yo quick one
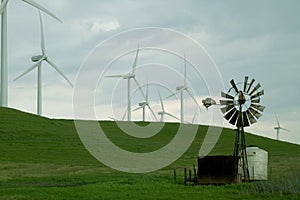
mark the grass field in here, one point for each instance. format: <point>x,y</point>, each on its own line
<point>44,159</point>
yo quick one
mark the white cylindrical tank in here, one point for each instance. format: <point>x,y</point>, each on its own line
<point>257,163</point>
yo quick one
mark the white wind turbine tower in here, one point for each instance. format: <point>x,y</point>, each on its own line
<point>128,77</point>
<point>163,112</point>
<point>38,64</point>
<point>180,90</point>
<point>278,128</point>
<point>144,104</point>
<point>4,78</point>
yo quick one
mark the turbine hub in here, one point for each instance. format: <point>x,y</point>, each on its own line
<point>129,75</point>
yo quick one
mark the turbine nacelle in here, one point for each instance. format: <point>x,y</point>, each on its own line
<point>179,88</point>
<point>38,57</point>
<point>142,104</point>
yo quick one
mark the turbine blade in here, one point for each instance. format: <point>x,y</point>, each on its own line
<point>172,116</point>
<point>62,74</point>
<point>42,34</point>
<point>136,59</point>
<point>284,129</point>
<point>227,108</point>
<point>114,76</point>
<point>3,6</point>
<point>255,88</point>
<point>152,112</point>
<point>223,94</point>
<point>193,98</point>
<point>233,120</point>
<point>174,94</point>
<point>138,108</point>
<point>194,117</point>
<point>234,86</point>
<point>140,89</point>
<point>251,117</point>
<point>258,94</point>
<point>38,6</point>
<point>226,102</point>
<point>185,75</point>
<point>277,120</point>
<point>250,85</point>
<point>258,107</point>
<point>245,83</point>
<point>30,69</point>
<point>161,101</point>
<point>124,115</point>
<point>230,113</point>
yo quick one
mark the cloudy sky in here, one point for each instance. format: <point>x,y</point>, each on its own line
<point>235,38</point>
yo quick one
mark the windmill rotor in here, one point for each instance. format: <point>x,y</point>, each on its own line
<point>243,100</point>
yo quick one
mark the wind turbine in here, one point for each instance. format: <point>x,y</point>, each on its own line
<point>38,64</point>
<point>144,104</point>
<point>180,90</point>
<point>4,78</point>
<point>278,128</point>
<point>163,112</point>
<point>128,77</point>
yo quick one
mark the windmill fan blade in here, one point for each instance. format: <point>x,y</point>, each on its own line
<point>62,74</point>
<point>245,120</point>
<point>245,83</point>
<point>3,6</point>
<point>255,88</point>
<point>194,117</point>
<point>38,6</point>
<point>255,113</point>
<point>42,34</point>
<point>258,107</point>
<point>251,117</point>
<point>227,108</point>
<point>233,120</point>
<point>223,94</point>
<point>284,129</point>
<point>258,94</point>
<point>136,59</point>
<point>255,100</point>
<point>234,86</point>
<point>250,85</point>
<point>30,69</point>
<point>230,113</point>
<point>226,102</point>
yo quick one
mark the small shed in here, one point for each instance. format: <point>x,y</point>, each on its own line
<point>218,170</point>
<point>257,163</point>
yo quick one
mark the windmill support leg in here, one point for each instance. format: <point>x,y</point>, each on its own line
<point>181,108</point>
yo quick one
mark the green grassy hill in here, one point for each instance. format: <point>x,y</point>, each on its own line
<point>44,158</point>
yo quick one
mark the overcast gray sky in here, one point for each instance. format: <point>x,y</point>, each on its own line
<point>255,38</point>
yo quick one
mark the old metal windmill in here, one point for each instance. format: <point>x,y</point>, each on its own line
<point>242,108</point>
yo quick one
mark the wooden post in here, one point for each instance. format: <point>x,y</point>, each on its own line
<point>174,174</point>
<point>185,176</point>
